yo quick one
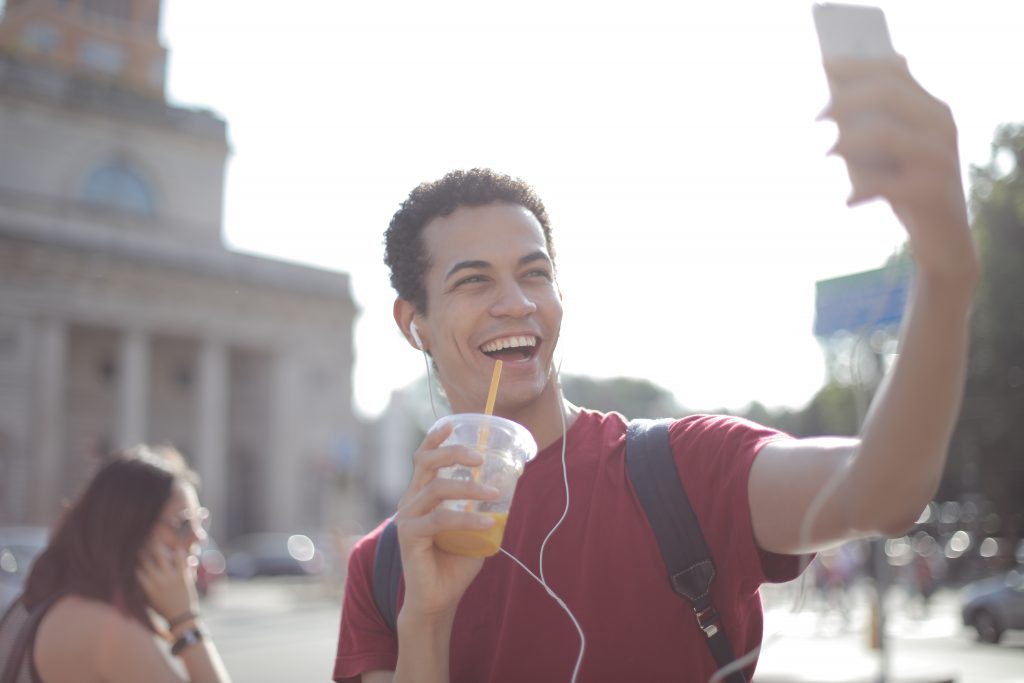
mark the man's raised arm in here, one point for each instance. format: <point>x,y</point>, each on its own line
<point>899,144</point>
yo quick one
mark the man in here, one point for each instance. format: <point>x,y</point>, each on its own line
<point>472,260</point>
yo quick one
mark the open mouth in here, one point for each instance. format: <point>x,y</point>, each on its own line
<point>507,349</point>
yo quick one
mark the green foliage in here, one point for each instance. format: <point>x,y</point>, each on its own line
<point>632,397</point>
<point>988,446</point>
<point>834,410</point>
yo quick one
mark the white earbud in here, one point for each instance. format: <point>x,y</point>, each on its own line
<point>416,336</point>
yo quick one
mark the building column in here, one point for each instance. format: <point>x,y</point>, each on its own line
<point>132,389</point>
<point>48,418</point>
<point>211,420</point>
<point>284,467</point>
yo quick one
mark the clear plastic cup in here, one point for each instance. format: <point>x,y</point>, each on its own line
<point>506,447</point>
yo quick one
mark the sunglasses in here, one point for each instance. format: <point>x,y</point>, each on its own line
<point>187,526</point>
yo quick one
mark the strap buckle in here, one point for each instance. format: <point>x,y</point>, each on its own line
<point>708,620</point>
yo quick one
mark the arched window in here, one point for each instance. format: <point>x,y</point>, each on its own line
<point>116,185</point>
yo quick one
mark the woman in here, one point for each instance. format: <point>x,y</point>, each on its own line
<point>118,577</point>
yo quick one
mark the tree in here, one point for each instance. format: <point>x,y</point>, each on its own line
<point>988,445</point>
<point>834,410</point>
<point>632,397</point>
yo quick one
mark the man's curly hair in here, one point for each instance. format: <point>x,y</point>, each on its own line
<point>404,253</point>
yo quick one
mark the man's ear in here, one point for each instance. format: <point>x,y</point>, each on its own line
<point>405,313</point>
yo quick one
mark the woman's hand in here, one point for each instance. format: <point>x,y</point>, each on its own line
<point>168,579</point>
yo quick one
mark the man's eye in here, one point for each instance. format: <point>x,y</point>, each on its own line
<point>469,280</point>
<point>539,273</point>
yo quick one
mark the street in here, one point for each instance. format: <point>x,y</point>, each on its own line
<point>275,631</point>
<point>818,644</point>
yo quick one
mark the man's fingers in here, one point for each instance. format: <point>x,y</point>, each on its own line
<point>438,490</point>
<point>456,454</point>
<point>436,437</point>
<point>427,462</point>
<point>421,475</point>
<point>900,190</point>
<point>914,108</point>
<point>845,69</point>
<point>886,146</point>
<point>428,526</point>
<point>901,99</point>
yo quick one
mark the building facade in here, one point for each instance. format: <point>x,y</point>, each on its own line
<point>124,318</point>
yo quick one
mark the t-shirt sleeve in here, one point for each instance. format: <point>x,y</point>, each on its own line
<point>714,455</point>
<point>365,643</point>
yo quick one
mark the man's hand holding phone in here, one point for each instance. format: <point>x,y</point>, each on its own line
<point>898,141</point>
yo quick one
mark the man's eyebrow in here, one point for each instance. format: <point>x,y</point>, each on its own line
<point>535,256</point>
<point>466,265</point>
<point>538,255</point>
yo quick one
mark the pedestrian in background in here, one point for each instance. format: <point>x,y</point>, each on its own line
<point>115,587</point>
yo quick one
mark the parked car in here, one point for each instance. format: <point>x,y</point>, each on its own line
<point>994,605</point>
<point>19,547</point>
<point>212,566</point>
<point>273,554</point>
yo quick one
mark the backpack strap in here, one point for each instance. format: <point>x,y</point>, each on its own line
<point>655,479</point>
<point>652,470</point>
<point>387,571</point>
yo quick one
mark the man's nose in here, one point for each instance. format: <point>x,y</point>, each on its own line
<point>513,301</point>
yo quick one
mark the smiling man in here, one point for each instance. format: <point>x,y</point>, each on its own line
<point>471,258</point>
<point>490,284</point>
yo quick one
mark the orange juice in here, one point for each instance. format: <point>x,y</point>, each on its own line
<point>483,543</point>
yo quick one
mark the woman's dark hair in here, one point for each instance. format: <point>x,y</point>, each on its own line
<point>94,549</point>
<point>403,251</point>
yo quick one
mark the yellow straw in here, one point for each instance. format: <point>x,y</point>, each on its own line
<point>481,444</point>
<point>492,394</point>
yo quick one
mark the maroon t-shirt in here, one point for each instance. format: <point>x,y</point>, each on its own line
<point>603,561</point>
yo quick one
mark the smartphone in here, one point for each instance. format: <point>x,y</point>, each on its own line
<point>852,32</point>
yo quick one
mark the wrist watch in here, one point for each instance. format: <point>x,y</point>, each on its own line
<point>187,639</point>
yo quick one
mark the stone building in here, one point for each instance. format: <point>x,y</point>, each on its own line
<point>123,317</point>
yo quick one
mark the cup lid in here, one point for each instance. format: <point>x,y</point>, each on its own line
<point>521,435</point>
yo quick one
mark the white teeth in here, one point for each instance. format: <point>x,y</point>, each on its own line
<point>508,343</point>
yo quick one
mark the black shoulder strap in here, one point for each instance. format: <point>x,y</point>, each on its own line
<point>653,473</point>
<point>387,570</point>
<point>655,479</point>
<point>22,644</point>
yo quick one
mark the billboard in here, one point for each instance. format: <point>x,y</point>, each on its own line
<point>862,302</point>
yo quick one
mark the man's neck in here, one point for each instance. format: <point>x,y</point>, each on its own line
<point>543,416</point>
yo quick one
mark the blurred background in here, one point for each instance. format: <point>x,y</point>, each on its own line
<point>192,199</point>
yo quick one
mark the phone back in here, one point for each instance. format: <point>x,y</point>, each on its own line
<point>852,31</point>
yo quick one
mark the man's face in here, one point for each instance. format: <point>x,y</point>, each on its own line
<point>491,295</point>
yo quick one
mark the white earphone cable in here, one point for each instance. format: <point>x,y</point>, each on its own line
<point>426,362</point>
<point>565,478</point>
<point>565,512</point>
